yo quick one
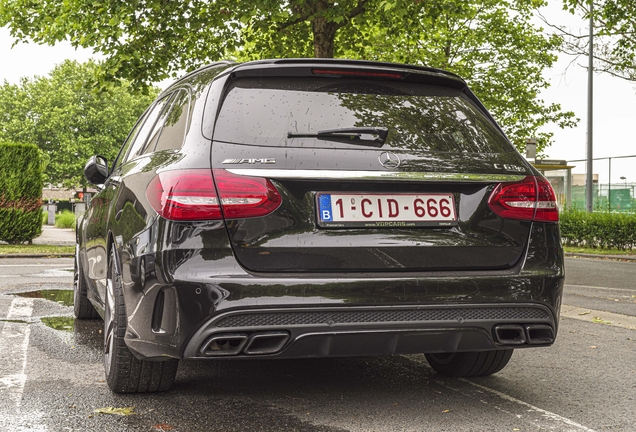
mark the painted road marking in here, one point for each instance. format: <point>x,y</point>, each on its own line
<point>14,341</point>
<point>538,417</point>
<point>546,414</point>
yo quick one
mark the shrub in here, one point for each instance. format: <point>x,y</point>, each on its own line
<point>65,219</point>
<point>598,230</point>
<point>20,193</point>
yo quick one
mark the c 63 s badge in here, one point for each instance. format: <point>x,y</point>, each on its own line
<point>513,168</point>
<point>250,161</point>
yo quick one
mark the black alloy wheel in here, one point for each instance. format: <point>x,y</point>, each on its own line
<point>124,372</point>
<point>82,307</point>
<point>469,364</point>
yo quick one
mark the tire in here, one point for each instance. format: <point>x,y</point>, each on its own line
<point>124,372</point>
<point>82,306</point>
<point>469,364</point>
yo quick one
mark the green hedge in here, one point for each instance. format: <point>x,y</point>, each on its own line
<point>65,219</point>
<point>20,193</point>
<point>598,230</point>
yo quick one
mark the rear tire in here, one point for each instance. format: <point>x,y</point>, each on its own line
<point>124,372</point>
<point>469,364</point>
<point>82,306</point>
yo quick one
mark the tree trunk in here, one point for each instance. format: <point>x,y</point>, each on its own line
<point>324,33</point>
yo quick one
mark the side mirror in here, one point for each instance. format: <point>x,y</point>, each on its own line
<point>96,170</point>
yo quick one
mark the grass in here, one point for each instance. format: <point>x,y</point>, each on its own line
<point>36,249</point>
<point>65,219</point>
<point>597,251</point>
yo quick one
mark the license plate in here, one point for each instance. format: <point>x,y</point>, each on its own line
<point>385,210</point>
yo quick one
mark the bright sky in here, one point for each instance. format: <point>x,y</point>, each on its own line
<point>614,99</point>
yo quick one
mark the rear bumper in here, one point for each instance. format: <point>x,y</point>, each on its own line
<point>352,331</point>
<point>192,295</point>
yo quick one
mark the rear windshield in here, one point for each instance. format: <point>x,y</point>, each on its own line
<point>265,111</point>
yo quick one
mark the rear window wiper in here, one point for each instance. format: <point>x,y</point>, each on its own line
<point>352,133</point>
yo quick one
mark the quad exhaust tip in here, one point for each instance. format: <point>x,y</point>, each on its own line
<point>224,345</point>
<point>237,343</point>
<point>266,343</point>
<point>539,334</point>
<point>510,334</point>
<point>532,334</point>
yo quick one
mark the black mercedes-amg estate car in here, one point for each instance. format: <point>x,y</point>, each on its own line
<point>315,208</point>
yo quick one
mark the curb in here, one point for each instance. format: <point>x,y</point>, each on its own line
<point>39,255</point>
<point>610,257</point>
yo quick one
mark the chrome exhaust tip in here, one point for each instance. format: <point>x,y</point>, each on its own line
<point>224,345</point>
<point>266,343</point>
<point>510,334</point>
<point>539,334</point>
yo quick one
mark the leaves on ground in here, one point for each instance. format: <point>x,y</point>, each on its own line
<point>599,320</point>
<point>126,411</point>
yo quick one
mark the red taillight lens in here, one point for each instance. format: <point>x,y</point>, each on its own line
<point>188,195</point>
<point>244,197</point>
<point>547,209</point>
<point>530,199</point>
<point>184,195</point>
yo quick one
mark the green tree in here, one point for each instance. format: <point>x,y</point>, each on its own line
<point>491,43</point>
<point>615,33</point>
<point>67,119</point>
<point>20,192</point>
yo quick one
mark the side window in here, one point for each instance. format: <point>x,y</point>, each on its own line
<point>130,140</point>
<point>142,137</point>
<point>173,133</point>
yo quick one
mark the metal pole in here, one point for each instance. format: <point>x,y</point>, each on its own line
<point>609,187</point>
<point>589,197</point>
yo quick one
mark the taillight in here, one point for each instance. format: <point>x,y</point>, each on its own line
<point>530,199</point>
<point>184,195</point>
<point>547,209</point>
<point>188,195</point>
<point>245,197</point>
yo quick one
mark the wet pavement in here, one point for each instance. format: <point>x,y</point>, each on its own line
<point>52,379</point>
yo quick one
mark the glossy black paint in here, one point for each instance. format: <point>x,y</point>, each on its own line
<point>178,276</point>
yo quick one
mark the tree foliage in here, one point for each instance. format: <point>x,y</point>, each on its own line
<point>20,192</point>
<point>491,43</point>
<point>67,119</point>
<point>615,32</point>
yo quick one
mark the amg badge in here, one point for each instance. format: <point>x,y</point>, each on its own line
<point>249,161</point>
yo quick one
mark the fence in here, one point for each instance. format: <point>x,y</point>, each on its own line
<point>614,184</point>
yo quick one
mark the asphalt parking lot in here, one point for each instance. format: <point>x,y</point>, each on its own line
<point>51,375</point>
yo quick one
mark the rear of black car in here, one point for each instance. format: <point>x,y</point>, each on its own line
<point>351,208</point>
<point>436,237</point>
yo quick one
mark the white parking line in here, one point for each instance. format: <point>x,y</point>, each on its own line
<point>14,341</point>
<point>542,419</point>
<point>546,414</point>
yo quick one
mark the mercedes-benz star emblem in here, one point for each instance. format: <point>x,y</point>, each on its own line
<point>389,160</point>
